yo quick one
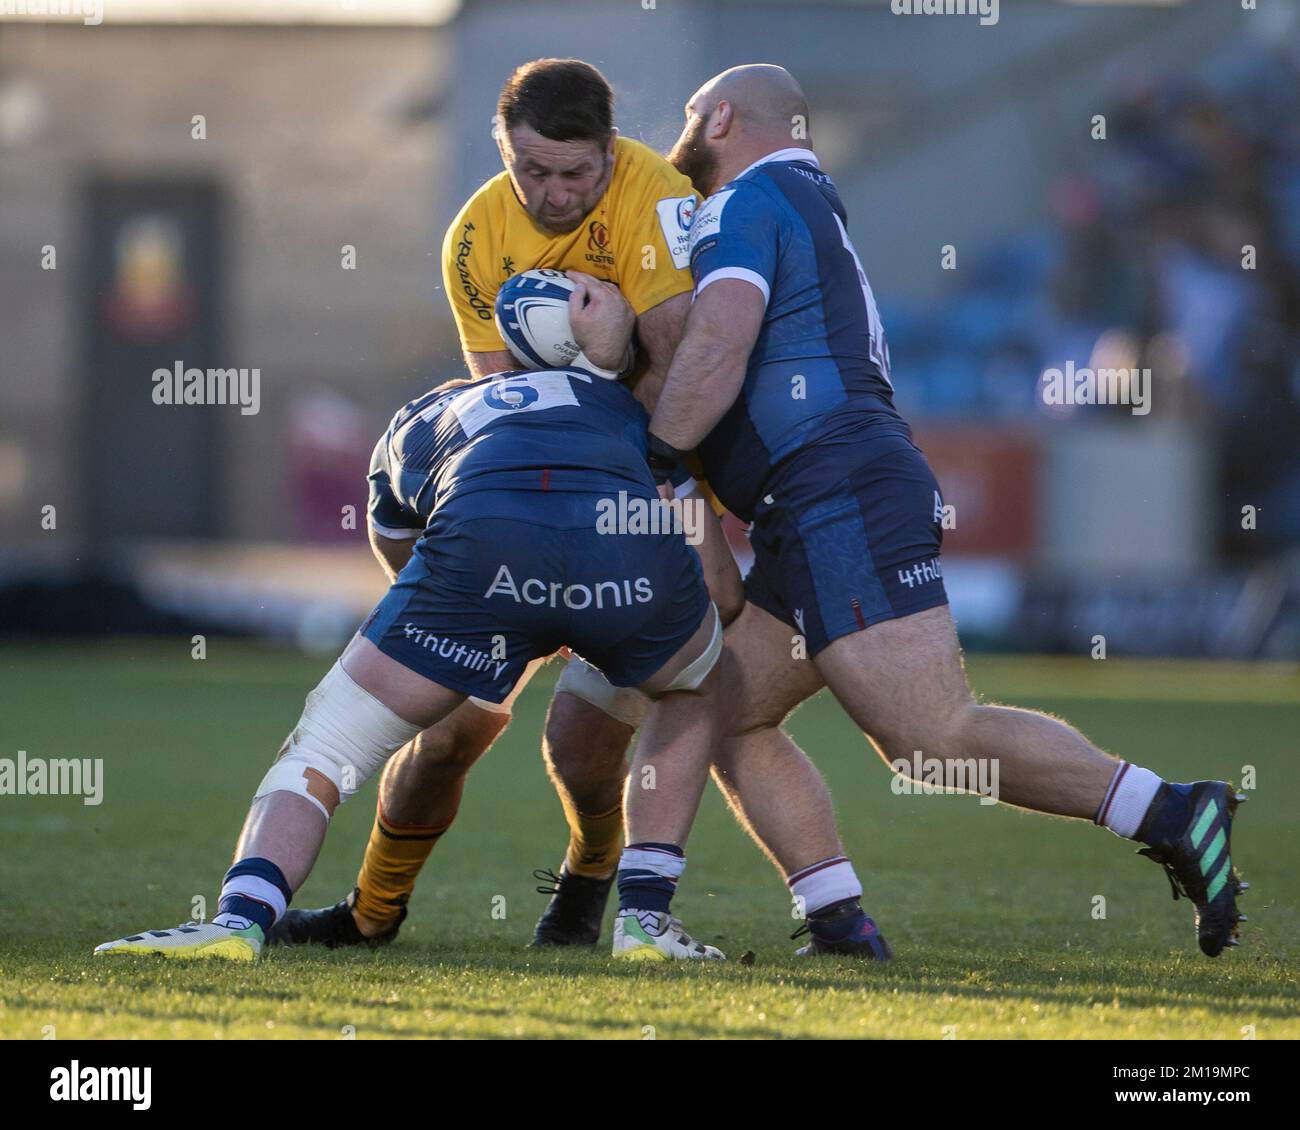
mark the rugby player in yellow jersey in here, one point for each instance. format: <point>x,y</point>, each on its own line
<point>573,196</point>
<point>616,211</point>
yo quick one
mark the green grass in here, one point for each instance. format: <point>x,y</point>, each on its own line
<point>989,910</point>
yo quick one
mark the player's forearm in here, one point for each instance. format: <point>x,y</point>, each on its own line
<point>721,576</point>
<point>660,330</point>
<point>648,383</point>
<point>391,553</point>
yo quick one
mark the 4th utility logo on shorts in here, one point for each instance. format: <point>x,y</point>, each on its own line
<point>922,573</point>
<point>471,658</point>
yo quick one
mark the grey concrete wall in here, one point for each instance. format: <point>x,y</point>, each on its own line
<point>305,130</point>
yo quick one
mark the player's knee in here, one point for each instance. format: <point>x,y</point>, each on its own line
<point>943,732</point>
<point>741,710</point>
<point>741,715</point>
<point>345,735</point>
<point>452,746</point>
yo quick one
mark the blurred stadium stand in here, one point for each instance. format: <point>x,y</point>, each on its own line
<point>226,251</point>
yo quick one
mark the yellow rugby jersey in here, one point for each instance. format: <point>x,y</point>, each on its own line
<point>648,204</point>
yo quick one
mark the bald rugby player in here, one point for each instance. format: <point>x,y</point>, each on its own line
<point>847,514</point>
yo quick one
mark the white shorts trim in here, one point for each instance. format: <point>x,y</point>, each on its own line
<point>396,534</point>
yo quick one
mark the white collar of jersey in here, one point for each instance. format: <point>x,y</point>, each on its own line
<point>783,155</point>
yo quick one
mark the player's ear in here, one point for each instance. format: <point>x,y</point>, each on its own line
<point>613,137</point>
<point>724,115</point>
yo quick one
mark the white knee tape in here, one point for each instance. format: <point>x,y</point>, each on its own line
<point>343,738</point>
<point>626,704</point>
<point>695,672</point>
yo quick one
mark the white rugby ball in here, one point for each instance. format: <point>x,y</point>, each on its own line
<point>532,314</point>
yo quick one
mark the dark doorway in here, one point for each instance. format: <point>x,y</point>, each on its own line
<point>151,298</point>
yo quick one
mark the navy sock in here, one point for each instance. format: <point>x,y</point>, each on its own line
<point>248,908</point>
<point>640,888</point>
<point>1168,815</point>
<point>253,909</point>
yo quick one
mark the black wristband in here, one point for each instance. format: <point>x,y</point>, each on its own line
<point>663,458</point>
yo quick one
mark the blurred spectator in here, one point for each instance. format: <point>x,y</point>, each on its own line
<point>1149,262</point>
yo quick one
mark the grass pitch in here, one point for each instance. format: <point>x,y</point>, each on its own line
<point>990,911</point>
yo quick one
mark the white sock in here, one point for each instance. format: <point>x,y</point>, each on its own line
<point>664,864</point>
<point>823,883</point>
<point>1131,791</point>
<point>251,887</point>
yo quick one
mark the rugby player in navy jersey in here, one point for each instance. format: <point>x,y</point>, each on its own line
<point>782,383</point>
<point>503,477</point>
<point>557,141</point>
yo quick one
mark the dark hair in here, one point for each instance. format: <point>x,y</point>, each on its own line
<point>563,99</point>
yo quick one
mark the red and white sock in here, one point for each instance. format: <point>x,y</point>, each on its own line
<point>823,883</point>
<point>1129,795</point>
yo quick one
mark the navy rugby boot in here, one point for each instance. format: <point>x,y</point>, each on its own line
<point>1197,858</point>
<point>843,929</point>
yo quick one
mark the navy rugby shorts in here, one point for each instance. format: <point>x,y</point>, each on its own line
<point>847,536</point>
<point>500,578</point>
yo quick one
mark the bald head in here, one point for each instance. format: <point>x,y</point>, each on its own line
<point>765,99</point>
<point>735,119</point>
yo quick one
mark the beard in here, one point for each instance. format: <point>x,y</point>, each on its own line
<point>693,159</point>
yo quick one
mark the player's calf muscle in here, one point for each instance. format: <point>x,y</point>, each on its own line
<point>419,778</point>
<point>948,731</point>
<point>902,682</point>
<point>661,805</point>
<point>585,752</point>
